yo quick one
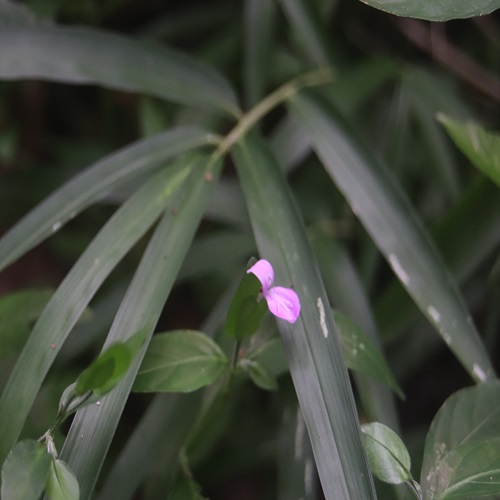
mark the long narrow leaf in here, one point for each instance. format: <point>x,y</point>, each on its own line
<point>95,181</point>
<point>83,55</point>
<point>389,219</point>
<point>93,428</point>
<point>73,295</point>
<point>311,344</point>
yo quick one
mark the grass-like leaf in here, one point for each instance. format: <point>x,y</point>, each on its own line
<point>311,345</point>
<point>389,219</point>
<point>126,226</point>
<point>94,182</point>
<point>93,427</point>
<point>84,55</point>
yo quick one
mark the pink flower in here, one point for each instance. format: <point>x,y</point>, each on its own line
<point>282,302</point>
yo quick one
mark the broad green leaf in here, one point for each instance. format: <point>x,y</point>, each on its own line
<point>246,311</point>
<point>388,217</point>
<point>18,312</point>
<point>106,371</point>
<point>260,376</point>
<point>311,345</point>
<point>62,483</point>
<point>362,354</point>
<point>433,10</point>
<point>119,234</point>
<point>89,56</point>
<point>25,471</point>
<point>180,361</point>
<point>92,184</point>
<point>481,146</point>
<point>139,311</point>
<point>389,458</point>
<point>462,448</point>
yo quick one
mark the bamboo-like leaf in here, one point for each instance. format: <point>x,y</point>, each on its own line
<point>128,224</point>
<point>431,10</point>
<point>93,427</point>
<point>94,182</point>
<point>311,344</point>
<point>89,56</point>
<point>389,219</point>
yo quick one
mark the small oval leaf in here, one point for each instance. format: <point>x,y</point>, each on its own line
<point>389,459</point>
<point>62,483</point>
<point>260,376</point>
<point>180,361</point>
<point>25,471</point>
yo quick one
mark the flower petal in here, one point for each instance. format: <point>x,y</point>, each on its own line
<point>283,303</point>
<point>264,272</point>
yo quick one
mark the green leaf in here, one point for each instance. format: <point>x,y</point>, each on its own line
<point>260,376</point>
<point>246,311</point>
<point>481,146</point>
<point>140,309</point>
<point>15,14</point>
<point>18,311</point>
<point>388,217</point>
<point>120,233</point>
<point>88,56</point>
<point>92,184</point>
<point>187,489</point>
<point>180,361</point>
<point>62,483</point>
<point>311,345</point>
<point>271,356</point>
<point>105,371</point>
<point>389,458</point>
<point>25,471</point>
<point>462,448</point>
<point>433,10</point>
<point>362,354</point>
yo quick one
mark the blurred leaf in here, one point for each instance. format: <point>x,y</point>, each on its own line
<point>140,311</point>
<point>18,311</point>
<point>25,471</point>
<point>270,355</point>
<point>388,217</point>
<point>180,361</point>
<point>93,183</point>
<point>246,311</point>
<point>362,354</point>
<point>432,10</point>
<point>260,376</point>
<point>462,448</point>
<point>16,14</point>
<point>62,483</point>
<point>88,56</point>
<point>120,233</point>
<point>105,371</point>
<point>313,351</point>
<point>187,489</point>
<point>389,458</point>
<point>481,146</point>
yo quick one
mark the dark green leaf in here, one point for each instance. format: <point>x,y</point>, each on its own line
<point>246,310</point>
<point>433,10</point>
<point>25,471</point>
<point>180,361</point>
<point>481,146</point>
<point>270,355</point>
<point>106,371</point>
<point>260,376</point>
<point>362,354</point>
<point>462,448</point>
<point>62,483</point>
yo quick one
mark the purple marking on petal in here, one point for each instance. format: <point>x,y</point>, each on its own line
<point>283,303</point>
<point>264,272</point>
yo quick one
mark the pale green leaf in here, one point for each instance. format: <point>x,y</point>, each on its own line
<point>62,483</point>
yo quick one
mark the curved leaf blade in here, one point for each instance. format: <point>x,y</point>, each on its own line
<point>62,483</point>
<point>89,56</point>
<point>94,182</point>
<point>436,11</point>
<point>313,351</point>
<point>391,222</point>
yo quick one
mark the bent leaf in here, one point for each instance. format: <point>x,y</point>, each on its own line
<point>62,483</point>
